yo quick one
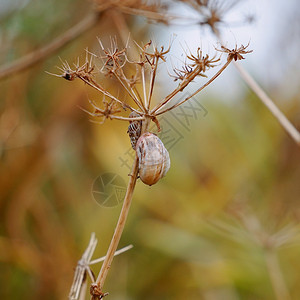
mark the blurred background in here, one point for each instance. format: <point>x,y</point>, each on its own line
<point>223,223</point>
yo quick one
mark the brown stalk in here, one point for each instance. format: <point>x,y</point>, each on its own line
<point>138,95</point>
<point>119,227</point>
<point>277,280</point>
<point>124,33</point>
<point>120,118</point>
<point>267,101</point>
<point>180,87</point>
<point>79,285</point>
<point>36,56</point>
<point>97,87</point>
<point>144,88</point>
<point>199,90</point>
<point>152,81</point>
<point>150,14</point>
<point>198,66</point>
<point>185,82</point>
<point>129,90</point>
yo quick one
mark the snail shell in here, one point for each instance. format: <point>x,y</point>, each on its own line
<point>134,129</point>
<point>154,159</point>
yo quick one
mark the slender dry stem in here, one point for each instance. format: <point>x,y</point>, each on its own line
<point>36,56</point>
<point>197,91</point>
<point>119,227</point>
<point>97,87</point>
<point>276,277</point>
<point>148,63</point>
<point>118,252</point>
<point>128,89</point>
<point>124,33</point>
<point>267,101</point>
<point>82,267</point>
<point>79,285</point>
<point>83,290</point>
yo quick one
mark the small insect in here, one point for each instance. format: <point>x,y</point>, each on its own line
<point>154,159</point>
<point>134,129</point>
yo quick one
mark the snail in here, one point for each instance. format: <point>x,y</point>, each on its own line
<point>154,160</point>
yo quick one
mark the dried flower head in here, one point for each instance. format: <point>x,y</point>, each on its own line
<point>235,53</point>
<point>204,62</point>
<point>137,78</point>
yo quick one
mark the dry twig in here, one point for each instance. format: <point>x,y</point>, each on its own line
<point>83,268</point>
<point>38,55</point>
<point>271,106</point>
<point>256,88</point>
<point>116,65</point>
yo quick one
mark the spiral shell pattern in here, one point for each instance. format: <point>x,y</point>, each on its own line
<point>154,160</point>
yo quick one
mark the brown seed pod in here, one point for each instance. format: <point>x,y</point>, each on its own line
<point>134,129</point>
<point>154,160</point>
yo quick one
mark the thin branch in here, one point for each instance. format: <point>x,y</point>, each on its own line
<point>151,14</point>
<point>198,66</point>
<point>152,80</point>
<point>36,56</point>
<point>267,101</point>
<point>79,285</point>
<point>124,33</point>
<point>102,114</point>
<point>99,88</point>
<point>83,290</point>
<point>119,227</point>
<point>276,276</point>
<point>196,92</point>
<point>144,88</point>
<point>179,88</point>
<point>81,268</point>
<point>127,119</point>
<point>118,252</point>
<point>129,90</point>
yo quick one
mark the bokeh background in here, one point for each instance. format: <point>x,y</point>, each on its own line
<point>223,223</point>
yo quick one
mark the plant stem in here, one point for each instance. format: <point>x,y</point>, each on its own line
<point>277,280</point>
<point>36,56</point>
<point>118,252</point>
<point>102,90</point>
<point>266,100</point>
<point>196,92</point>
<point>124,33</point>
<point>119,227</point>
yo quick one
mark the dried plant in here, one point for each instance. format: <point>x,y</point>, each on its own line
<point>116,63</point>
<point>83,269</point>
<point>137,78</point>
<point>211,13</point>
